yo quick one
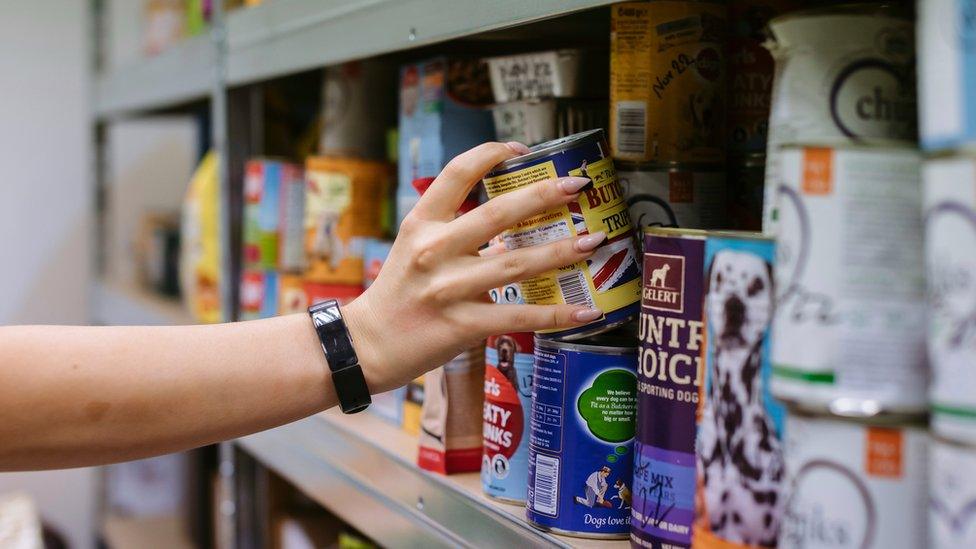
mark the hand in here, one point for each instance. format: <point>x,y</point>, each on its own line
<point>430,301</point>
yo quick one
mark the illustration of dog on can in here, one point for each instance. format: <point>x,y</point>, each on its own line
<point>659,275</point>
<point>740,455</point>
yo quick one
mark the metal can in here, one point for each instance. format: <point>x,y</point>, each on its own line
<point>850,304</point>
<point>740,430</point>
<point>946,74</point>
<point>949,204</point>
<point>686,196</point>
<point>750,73</point>
<point>843,74</point>
<point>746,178</point>
<point>508,396</point>
<point>952,495</point>
<point>584,399</point>
<point>854,484</point>
<point>667,81</point>
<point>669,383</point>
<point>610,278</point>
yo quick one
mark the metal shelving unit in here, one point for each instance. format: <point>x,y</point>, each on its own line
<point>360,468</point>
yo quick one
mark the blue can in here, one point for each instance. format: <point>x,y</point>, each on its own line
<point>584,403</point>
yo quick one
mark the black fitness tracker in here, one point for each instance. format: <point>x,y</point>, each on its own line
<point>347,376</point>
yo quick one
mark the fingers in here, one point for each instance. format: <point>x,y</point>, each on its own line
<point>498,270</point>
<point>463,172</point>
<point>502,212</point>
<point>493,249</point>
<point>500,319</point>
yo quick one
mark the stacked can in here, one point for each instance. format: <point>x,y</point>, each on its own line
<point>668,111</point>
<point>583,381</point>
<point>541,96</point>
<point>947,70</point>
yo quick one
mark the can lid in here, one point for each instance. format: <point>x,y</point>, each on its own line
<point>864,411</point>
<point>741,235</point>
<point>701,167</point>
<point>617,341</point>
<point>545,149</point>
<point>878,145</point>
<point>697,234</point>
<point>890,9</point>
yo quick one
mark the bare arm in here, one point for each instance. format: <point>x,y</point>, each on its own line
<point>74,396</point>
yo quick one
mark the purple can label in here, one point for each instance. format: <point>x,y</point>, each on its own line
<point>669,382</point>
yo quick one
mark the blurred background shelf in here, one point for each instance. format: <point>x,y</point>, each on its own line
<point>362,468</point>
<point>122,304</point>
<point>138,533</point>
<point>185,72</point>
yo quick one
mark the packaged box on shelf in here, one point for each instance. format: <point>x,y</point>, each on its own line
<point>375,252</point>
<point>443,112</point>
<point>389,405</point>
<point>291,294</point>
<point>358,105</point>
<point>343,293</point>
<point>544,74</point>
<point>274,200</point>
<point>412,405</point>
<point>344,205</point>
<point>259,294</point>
<point>157,252</point>
<point>200,276</point>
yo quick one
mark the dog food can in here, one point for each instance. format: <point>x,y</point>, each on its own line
<point>584,399</point>
<point>946,74</point>
<point>667,81</point>
<point>610,278</point>
<point>508,396</point>
<point>746,192</point>
<point>740,429</point>
<point>949,203</point>
<point>669,376</point>
<point>952,494</point>
<point>853,484</point>
<point>750,78</point>
<point>850,303</point>
<point>676,196</point>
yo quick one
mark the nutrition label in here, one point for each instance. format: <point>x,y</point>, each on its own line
<point>548,401</point>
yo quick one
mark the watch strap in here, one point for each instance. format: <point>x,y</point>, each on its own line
<point>347,375</point>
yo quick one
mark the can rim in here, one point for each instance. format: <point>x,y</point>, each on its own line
<point>545,149</point>
<point>742,235</point>
<point>696,167</point>
<point>697,234</point>
<point>889,9</point>
<point>873,145</point>
<point>881,419</point>
<point>584,346</point>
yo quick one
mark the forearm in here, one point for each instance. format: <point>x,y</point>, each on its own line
<point>73,396</point>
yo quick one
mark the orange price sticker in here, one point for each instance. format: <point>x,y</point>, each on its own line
<point>818,168</point>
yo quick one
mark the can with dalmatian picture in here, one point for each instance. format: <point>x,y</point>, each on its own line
<point>740,427</point>
<point>584,399</point>
<point>952,494</point>
<point>949,209</point>
<point>850,301</point>
<point>855,483</point>
<point>508,398</point>
<point>669,383</point>
<point>844,74</point>
<point>609,279</point>
<point>675,195</point>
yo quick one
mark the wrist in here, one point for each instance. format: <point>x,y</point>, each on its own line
<point>365,338</point>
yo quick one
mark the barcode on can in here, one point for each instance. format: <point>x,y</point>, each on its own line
<point>574,289</point>
<point>546,487</point>
<point>631,127</point>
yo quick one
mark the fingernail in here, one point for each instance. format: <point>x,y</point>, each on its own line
<point>590,242</point>
<point>517,148</point>
<point>587,315</point>
<point>572,185</point>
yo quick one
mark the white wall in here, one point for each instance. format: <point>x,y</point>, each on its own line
<point>45,205</point>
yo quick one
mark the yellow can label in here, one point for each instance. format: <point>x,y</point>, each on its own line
<point>667,81</point>
<point>609,280</point>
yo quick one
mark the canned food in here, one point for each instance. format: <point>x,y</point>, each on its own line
<point>854,484</point>
<point>946,74</point>
<point>740,430</point>
<point>581,436</point>
<point>949,203</point>
<point>344,205</point>
<point>508,395</point>
<point>291,294</point>
<point>610,278</point>
<point>746,177</point>
<point>669,381</point>
<point>667,81</point>
<point>375,252</point>
<point>842,74</point>
<point>750,73</point>
<point>952,495</point>
<point>850,305</point>
<point>676,196</point>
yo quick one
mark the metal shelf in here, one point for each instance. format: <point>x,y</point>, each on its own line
<point>286,36</point>
<point>185,72</point>
<point>362,469</point>
<point>116,304</point>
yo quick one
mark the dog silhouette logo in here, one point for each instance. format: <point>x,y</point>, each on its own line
<point>664,277</point>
